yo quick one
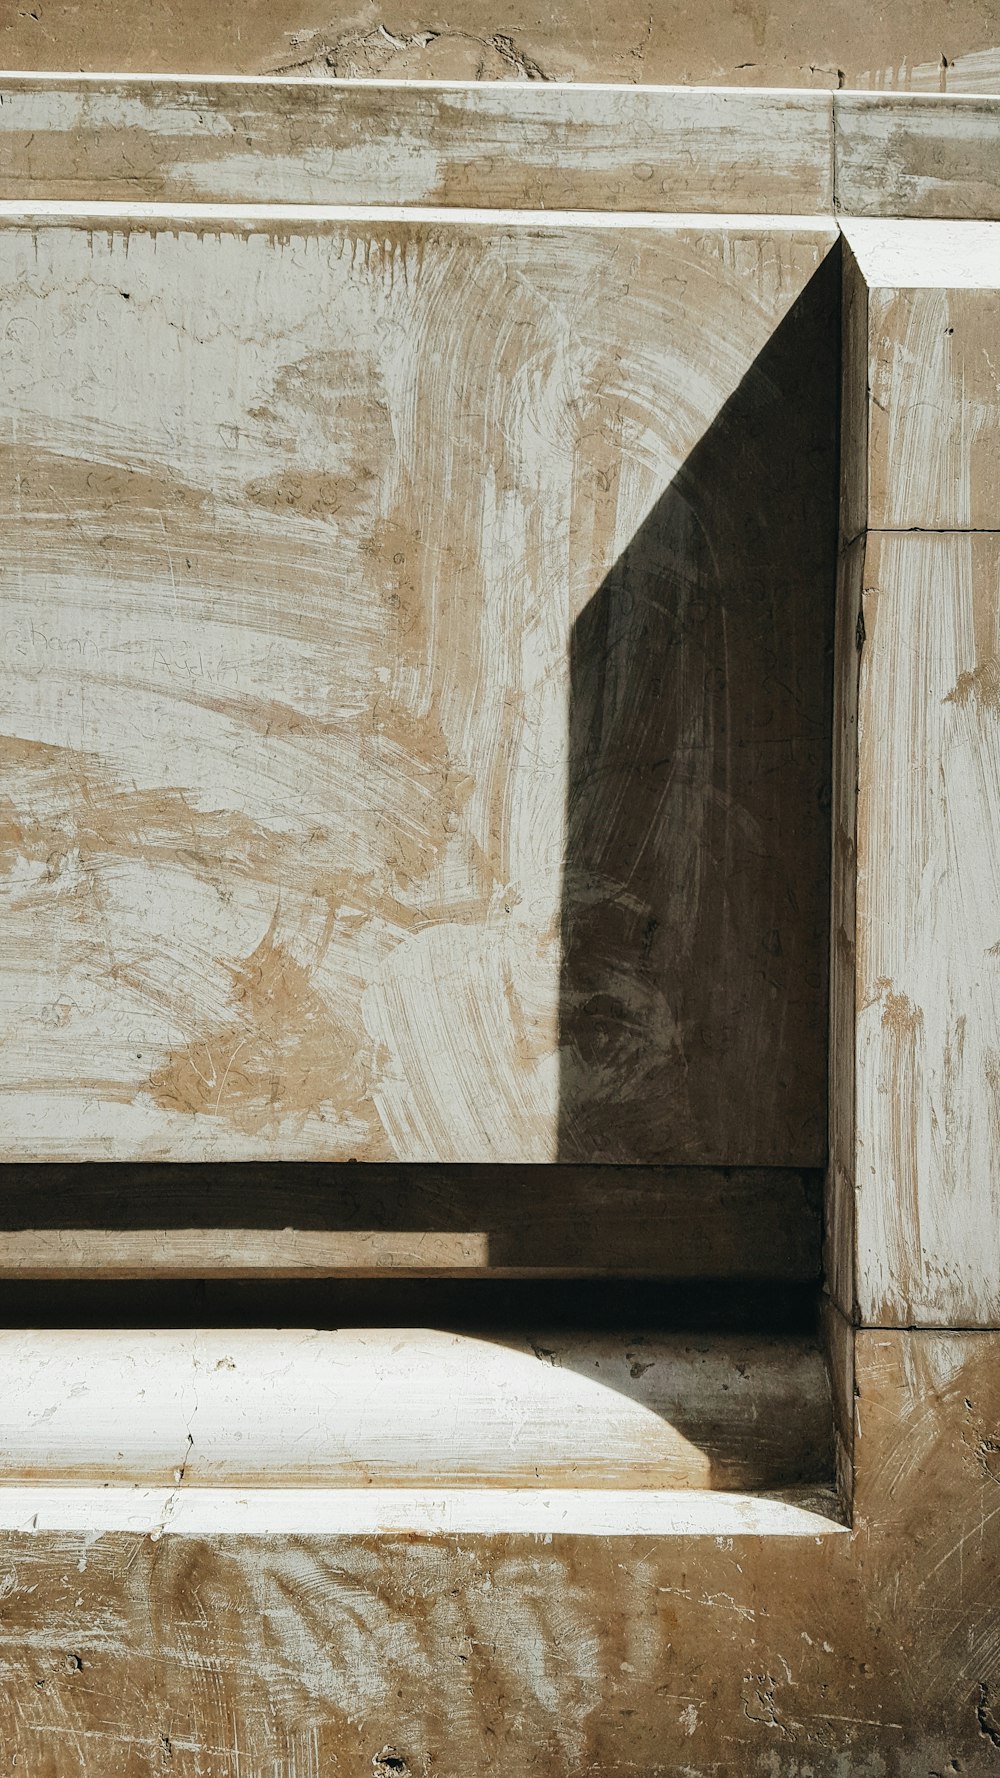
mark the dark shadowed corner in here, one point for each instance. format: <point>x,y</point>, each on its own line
<point>695,902</point>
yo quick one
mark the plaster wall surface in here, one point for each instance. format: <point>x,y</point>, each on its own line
<point>917,45</point>
<point>869,1654</point>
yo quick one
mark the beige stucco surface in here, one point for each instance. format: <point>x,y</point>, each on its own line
<point>869,1656</point>
<point>365,723</point>
<point>905,44</point>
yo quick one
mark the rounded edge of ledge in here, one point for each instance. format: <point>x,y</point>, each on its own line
<point>40,1509</point>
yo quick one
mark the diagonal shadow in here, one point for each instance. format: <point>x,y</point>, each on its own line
<point>696,883</point>
<point>693,1004</point>
<point>692,994</point>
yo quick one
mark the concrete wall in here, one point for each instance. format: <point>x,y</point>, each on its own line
<point>869,1656</point>
<point>907,44</point>
<point>873,1655</point>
